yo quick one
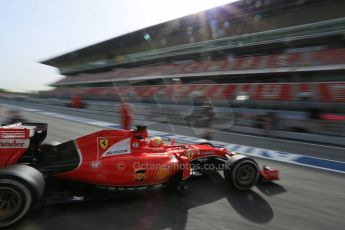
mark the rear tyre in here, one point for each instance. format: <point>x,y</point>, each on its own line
<point>15,201</point>
<point>242,174</point>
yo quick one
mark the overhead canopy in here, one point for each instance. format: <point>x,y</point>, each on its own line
<point>220,22</point>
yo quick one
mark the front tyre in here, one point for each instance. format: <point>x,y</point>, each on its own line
<point>243,173</point>
<point>15,201</point>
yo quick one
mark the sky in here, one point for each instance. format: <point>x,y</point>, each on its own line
<point>36,30</point>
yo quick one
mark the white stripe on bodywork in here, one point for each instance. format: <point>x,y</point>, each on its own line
<point>121,147</point>
<point>79,153</point>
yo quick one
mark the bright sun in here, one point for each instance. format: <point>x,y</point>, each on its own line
<point>200,5</point>
<point>179,8</point>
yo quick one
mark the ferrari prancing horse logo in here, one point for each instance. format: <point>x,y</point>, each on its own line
<point>103,143</point>
<point>190,154</point>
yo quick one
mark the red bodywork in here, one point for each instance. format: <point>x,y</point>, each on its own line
<point>120,157</point>
<point>124,158</point>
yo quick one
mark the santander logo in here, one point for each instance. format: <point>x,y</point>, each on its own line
<point>13,143</point>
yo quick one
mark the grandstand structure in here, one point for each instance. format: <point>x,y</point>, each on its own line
<point>271,54</point>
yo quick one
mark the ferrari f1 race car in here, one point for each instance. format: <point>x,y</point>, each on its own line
<point>111,160</point>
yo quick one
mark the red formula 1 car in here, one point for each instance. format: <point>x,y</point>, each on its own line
<point>112,160</point>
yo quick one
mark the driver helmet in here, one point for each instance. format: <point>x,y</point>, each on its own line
<point>156,142</point>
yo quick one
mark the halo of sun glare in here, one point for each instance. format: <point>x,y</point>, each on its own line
<point>178,8</point>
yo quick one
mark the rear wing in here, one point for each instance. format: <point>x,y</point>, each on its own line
<point>13,143</point>
<point>16,139</point>
<point>12,126</point>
